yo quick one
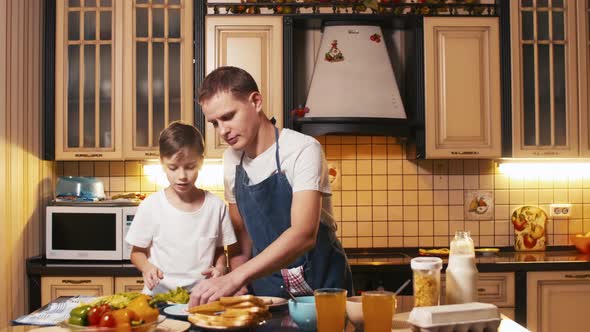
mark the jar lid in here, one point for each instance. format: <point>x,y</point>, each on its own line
<point>426,263</point>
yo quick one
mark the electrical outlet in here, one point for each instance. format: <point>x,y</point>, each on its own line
<point>560,210</point>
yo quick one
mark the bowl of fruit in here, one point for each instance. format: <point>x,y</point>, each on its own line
<point>582,242</point>
<point>130,311</point>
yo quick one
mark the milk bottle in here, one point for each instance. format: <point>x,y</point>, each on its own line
<point>461,273</point>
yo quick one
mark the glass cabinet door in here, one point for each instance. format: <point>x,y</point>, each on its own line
<point>159,53</point>
<point>544,78</point>
<point>583,11</point>
<point>86,116</point>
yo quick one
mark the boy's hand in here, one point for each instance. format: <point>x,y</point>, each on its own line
<point>151,276</point>
<point>213,272</point>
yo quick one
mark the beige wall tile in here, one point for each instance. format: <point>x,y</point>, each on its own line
<point>333,151</point>
<point>380,197</point>
<point>132,183</point>
<point>409,167</point>
<point>337,213</point>
<point>363,167</point>
<point>348,213</point>
<point>117,183</point>
<point>363,151</point>
<point>395,228</point>
<point>456,212</point>
<point>333,139</point>
<point>348,151</point>
<point>349,229</point>
<point>440,197</point>
<point>426,228</point>
<point>348,139</point>
<point>441,228</point>
<point>364,182</point>
<point>455,181</point>
<point>561,183</point>
<point>503,196</point>
<point>486,167</point>
<point>348,182</point>
<point>380,242</point>
<point>336,198</point>
<point>379,213</point>
<point>425,167</point>
<point>516,196</point>
<point>440,167</point>
<point>441,212</point>
<point>560,196</point>
<point>348,167</point>
<point>394,182</point>
<point>71,168</point>
<point>397,198</point>
<point>379,182</point>
<point>576,226</point>
<point>531,183</point>
<point>86,168</point>
<point>364,198</point>
<point>501,181</point>
<point>425,213</point>
<point>364,213</point>
<point>394,151</point>
<point>502,212</point>
<point>395,241</point>
<point>410,213</point>
<point>363,140</point>
<point>349,242</point>
<point>456,197</point>
<point>146,184</point>
<point>516,183</point>
<point>379,139</point>
<point>410,197</point>
<point>410,182</point>
<point>379,167</point>
<point>455,167</point>
<point>471,182</point>
<point>59,168</point>
<point>410,228</point>
<point>531,197</point>
<point>349,198</point>
<point>441,182</point>
<point>364,229</point>
<point>394,167</point>
<point>133,168</point>
<point>425,197</point>
<point>486,182</point>
<point>441,241</point>
<point>379,151</point>
<point>411,241</point>
<point>425,182</point>
<point>576,195</point>
<point>101,168</point>
<point>117,168</point>
<point>365,242</point>
<point>471,167</point>
<point>426,241</point>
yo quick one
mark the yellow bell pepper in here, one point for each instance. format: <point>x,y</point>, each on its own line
<point>140,305</point>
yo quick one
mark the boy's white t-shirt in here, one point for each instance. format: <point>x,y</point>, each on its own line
<point>182,244</point>
<point>302,161</point>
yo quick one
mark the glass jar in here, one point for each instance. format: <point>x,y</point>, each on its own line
<point>426,280</point>
<point>461,273</point>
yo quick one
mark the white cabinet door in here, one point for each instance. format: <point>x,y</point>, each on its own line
<point>254,44</point>
<point>462,68</point>
<point>558,301</point>
<point>54,287</point>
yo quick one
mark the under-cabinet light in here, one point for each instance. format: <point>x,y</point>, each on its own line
<point>545,169</point>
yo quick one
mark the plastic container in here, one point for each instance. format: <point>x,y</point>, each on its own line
<point>79,188</point>
<point>426,279</point>
<point>461,273</point>
<point>472,317</point>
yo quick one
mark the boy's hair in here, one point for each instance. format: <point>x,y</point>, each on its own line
<point>180,135</point>
<point>227,79</point>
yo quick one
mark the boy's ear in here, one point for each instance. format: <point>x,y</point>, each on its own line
<point>256,100</point>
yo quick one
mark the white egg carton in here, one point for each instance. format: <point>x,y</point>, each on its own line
<point>472,317</point>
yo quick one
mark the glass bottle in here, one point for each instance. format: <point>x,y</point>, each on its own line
<point>461,273</point>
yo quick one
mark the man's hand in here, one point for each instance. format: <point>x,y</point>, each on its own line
<point>212,289</point>
<point>151,276</point>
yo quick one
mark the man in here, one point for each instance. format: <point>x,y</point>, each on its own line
<point>277,187</point>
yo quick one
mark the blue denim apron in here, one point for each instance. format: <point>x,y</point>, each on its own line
<point>266,210</point>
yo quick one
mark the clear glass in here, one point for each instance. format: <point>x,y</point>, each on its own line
<point>528,96</point>
<point>89,93</point>
<point>174,23</point>
<point>73,138</point>
<point>543,73</point>
<point>74,25</point>
<point>141,26</point>
<point>105,25</point>
<point>330,304</point>
<point>105,97</point>
<point>158,90</point>
<point>89,25</point>
<point>158,22</point>
<point>378,310</point>
<point>174,77</point>
<point>462,244</point>
<point>141,97</point>
<point>559,96</point>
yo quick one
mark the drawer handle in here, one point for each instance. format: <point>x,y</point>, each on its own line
<point>546,153</point>
<point>464,152</point>
<point>75,282</point>
<point>152,154</point>
<point>481,290</point>
<point>577,276</point>
<point>139,282</point>
<point>88,155</point>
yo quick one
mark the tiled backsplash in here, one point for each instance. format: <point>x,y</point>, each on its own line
<point>383,197</point>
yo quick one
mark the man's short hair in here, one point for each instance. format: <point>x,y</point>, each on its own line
<point>227,79</point>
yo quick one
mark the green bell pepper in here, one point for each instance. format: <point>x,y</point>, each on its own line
<point>79,315</point>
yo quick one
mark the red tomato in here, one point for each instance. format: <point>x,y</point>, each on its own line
<point>107,320</point>
<point>95,314</point>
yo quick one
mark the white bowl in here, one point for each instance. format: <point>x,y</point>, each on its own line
<point>354,311</point>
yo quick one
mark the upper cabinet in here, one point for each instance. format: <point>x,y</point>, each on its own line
<point>462,87</point>
<point>123,72</point>
<point>254,44</point>
<point>545,107</point>
<point>583,13</point>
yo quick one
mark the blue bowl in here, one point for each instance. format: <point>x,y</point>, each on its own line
<point>303,312</point>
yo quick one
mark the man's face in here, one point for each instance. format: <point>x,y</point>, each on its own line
<point>182,169</point>
<point>235,119</point>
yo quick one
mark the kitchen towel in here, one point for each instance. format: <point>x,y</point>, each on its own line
<point>54,312</point>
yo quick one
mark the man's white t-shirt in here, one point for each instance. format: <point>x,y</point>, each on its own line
<point>182,244</point>
<point>302,161</point>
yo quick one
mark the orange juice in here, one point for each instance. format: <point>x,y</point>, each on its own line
<point>378,309</point>
<point>330,304</point>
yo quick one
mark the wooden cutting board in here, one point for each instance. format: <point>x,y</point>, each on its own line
<point>168,325</point>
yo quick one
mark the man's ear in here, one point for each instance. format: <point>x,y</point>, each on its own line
<point>256,100</point>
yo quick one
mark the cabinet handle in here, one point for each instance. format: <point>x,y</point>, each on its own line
<point>139,282</point>
<point>481,290</point>
<point>88,155</point>
<point>464,152</point>
<point>76,282</point>
<point>152,154</point>
<point>577,276</point>
<point>546,153</point>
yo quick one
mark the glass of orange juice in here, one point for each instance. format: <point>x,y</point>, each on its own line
<point>330,306</point>
<point>378,309</point>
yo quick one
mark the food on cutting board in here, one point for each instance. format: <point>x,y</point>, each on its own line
<point>122,311</point>
<point>230,312</point>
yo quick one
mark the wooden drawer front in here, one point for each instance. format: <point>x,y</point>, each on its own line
<point>496,288</point>
<point>54,287</point>
<point>128,284</point>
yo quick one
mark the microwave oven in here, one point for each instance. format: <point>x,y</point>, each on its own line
<point>88,232</point>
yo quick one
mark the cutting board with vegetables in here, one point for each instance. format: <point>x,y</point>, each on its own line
<point>530,224</point>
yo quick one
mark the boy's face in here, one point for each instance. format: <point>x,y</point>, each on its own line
<point>182,169</point>
<point>235,119</point>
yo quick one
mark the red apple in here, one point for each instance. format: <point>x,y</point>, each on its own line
<point>528,240</point>
<point>519,222</point>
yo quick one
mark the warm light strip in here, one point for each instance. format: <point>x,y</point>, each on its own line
<point>210,175</point>
<point>545,169</point>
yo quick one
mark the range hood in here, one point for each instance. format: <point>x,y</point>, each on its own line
<point>353,88</point>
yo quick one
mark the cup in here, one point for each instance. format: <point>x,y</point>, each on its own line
<point>378,309</point>
<point>303,312</point>
<point>330,305</point>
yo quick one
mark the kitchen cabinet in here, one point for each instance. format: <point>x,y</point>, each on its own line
<point>123,71</point>
<point>56,286</point>
<point>128,284</point>
<point>462,87</point>
<point>546,111</point>
<point>583,19</point>
<point>556,301</point>
<point>254,44</point>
